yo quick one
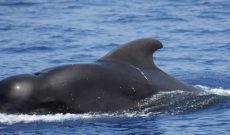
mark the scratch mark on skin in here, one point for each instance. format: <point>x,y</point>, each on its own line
<point>140,72</point>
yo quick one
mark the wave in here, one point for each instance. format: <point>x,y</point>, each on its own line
<point>12,4</point>
<point>169,103</point>
<point>218,91</point>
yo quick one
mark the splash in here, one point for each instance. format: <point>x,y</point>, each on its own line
<point>59,117</point>
<point>218,91</point>
<point>169,103</point>
<point>10,119</point>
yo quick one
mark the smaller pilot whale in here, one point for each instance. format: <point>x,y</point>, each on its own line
<point>117,81</point>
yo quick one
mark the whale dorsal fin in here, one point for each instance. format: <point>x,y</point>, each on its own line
<point>138,53</point>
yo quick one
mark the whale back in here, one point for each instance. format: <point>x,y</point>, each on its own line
<point>138,53</point>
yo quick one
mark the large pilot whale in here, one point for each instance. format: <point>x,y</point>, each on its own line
<point>117,81</point>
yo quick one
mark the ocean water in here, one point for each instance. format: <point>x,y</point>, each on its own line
<point>196,35</point>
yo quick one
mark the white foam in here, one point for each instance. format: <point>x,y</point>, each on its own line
<point>59,117</point>
<point>218,91</point>
<point>26,118</point>
<point>16,118</point>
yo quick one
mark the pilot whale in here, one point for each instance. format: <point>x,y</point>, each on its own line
<point>118,81</point>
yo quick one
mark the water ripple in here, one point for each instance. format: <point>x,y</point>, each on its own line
<point>195,34</point>
<point>27,49</point>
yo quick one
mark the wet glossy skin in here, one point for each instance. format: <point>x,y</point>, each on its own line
<point>117,81</point>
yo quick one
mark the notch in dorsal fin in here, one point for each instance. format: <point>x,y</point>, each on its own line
<point>138,53</point>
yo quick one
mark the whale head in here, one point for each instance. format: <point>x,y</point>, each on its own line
<point>17,92</point>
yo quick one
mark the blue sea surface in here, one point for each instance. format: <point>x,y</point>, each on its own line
<point>35,35</point>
